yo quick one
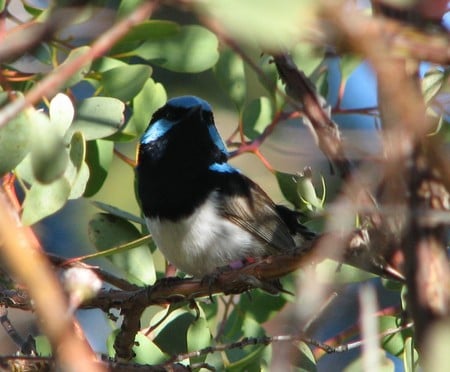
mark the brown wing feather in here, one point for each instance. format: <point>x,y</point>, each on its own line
<point>258,215</point>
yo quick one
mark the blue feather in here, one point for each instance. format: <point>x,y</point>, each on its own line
<point>215,136</point>
<point>157,130</point>
<point>223,168</point>
<point>188,102</point>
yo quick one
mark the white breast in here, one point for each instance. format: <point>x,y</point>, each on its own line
<point>198,244</point>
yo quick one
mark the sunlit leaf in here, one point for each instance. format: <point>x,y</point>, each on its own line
<point>43,347</point>
<point>81,72</point>
<point>150,30</point>
<point>126,81</point>
<point>43,200</point>
<point>395,343</point>
<point>272,25</point>
<point>307,57</point>
<point>192,49</point>
<point>410,356</point>
<point>107,231</point>
<point>257,115</point>
<point>151,97</point>
<point>306,361</point>
<point>61,113</point>
<point>433,82</point>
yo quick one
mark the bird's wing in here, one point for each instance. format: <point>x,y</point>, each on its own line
<point>255,212</point>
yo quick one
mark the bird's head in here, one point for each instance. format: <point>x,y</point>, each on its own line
<point>183,129</point>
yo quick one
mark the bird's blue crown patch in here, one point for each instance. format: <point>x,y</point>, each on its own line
<point>188,102</point>
<point>223,168</point>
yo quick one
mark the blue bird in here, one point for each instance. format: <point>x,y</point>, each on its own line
<point>202,212</point>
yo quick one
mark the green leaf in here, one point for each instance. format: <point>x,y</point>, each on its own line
<point>126,7</point>
<point>81,72</point>
<point>43,346</point>
<point>288,187</point>
<point>126,81</point>
<point>43,200</point>
<point>271,25</point>
<point>107,231</point>
<point>307,57</point>
<point>147,101</point>
<point>395,343</point>
<point>98,117</point>
<point>118,212</point>
<point>99,156</point>
<point>410,356</point>
<point>239,326</point>
<point>145,350</point>
<point>49,154</point>
<point>307,192</point>
<point>192,49</point>
<point>31,8</point>
<point>177,323</point>
<point>61,113</point>
<point>150,30</point>
<point>230,73</point>
<point>262,306</point>
<point>433,82</point>
<point>198,337</point>
<point>77,172</point>
<point>15,139</point>
<point>257,116</point>
<point>306,362</point>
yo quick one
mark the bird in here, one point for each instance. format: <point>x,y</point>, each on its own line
<point>202,212</point>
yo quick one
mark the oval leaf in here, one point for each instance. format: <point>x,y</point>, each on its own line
<point>61,113</point>
<point>98,158</point>
<point>147,101</point>
<point>230,72</point>
<point>81,72</point>
<point>43,200</point>
<point>98,117</point>
<point>15,140</point>
<point>125,82</point>
<point>107,231</point>
<point>272,25</point>
<point>49,157</point>
<point>192,49</point>
<point>257,116</point>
